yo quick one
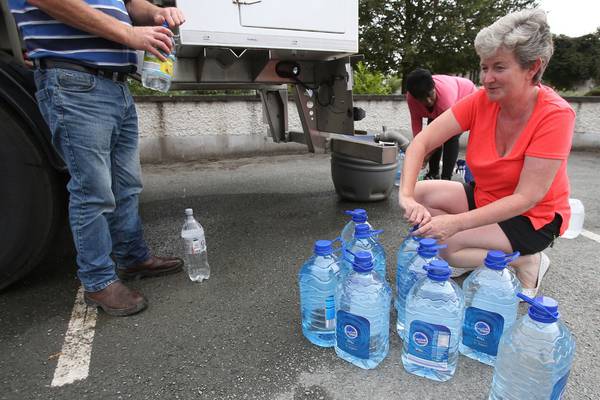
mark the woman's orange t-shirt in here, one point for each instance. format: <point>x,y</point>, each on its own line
<point>547,134</point>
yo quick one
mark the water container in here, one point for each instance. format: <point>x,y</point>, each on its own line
<point>317,281</point>
<point>410,273</point>
<point>194,248</point>
<point>365,239</point>
<point>434,312</point>
<point>359,216</point>
<point>576,221</point>
<point>362,307</point>
<point>400,160</point>
<point>406,251</point>
<point>157,74</point>
<point>491,306</point>
<point>535,356</point>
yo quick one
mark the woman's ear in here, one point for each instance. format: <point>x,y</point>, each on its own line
<point>535,67</point>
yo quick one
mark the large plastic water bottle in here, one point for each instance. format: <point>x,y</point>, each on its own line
<point>409,273</point>
<point>400,160</point>
<point>317,281</point>
<point>406,251</point>
<point>365,239</point>
<point>196,259</point>
<point>157,74</point>
<point>359,216</point>
<point>491,306</point>
<point>434,312</point>
<point>576,221</point>
<point>362,307</point>
<point>535,356</point>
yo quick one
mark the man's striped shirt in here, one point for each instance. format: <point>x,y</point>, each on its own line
<point>46,37</point>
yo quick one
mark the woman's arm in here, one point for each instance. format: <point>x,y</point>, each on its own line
<point>433,136</point>
<point>535,180</point>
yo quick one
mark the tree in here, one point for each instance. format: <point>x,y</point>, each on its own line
<point>575,60</point>
<point>400,35</point>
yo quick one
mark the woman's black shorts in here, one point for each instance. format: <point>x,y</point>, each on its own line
<point>520,232</point>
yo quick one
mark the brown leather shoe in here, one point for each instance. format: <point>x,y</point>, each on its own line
<point>117,300</point>
<point>154,266</point>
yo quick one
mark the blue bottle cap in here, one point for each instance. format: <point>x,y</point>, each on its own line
<point>498,260</point>
<point>542,309</point>
<point>165,24</point>
<point>362,231</point>
<point>362,262</point>
<point>437,270</point>
<point>359,215</point>
<point>323,247</point>
<point>428,247</point>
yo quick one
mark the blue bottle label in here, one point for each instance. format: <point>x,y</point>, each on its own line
<point>559,387</point>
<point>482,330</point>
<point>353,334</point>
<point>429,345</point>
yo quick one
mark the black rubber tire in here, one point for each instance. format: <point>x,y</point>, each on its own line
<point>32,203</point>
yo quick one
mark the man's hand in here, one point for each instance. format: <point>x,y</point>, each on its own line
<point>150,38</point>
<point>440,227</point>
<point>172,15</point>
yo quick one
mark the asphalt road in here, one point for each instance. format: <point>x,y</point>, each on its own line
<point>237,335</point>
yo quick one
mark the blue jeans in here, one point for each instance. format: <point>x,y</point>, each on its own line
<point>93,122</point>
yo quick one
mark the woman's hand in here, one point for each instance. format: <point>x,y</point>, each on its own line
<point>415,213</point>
<point>440,227</point>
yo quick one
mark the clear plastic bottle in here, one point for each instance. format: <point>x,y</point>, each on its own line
<point>317,281</point>
<point>535,356</point>
<point>365,240</point>
<point>157,74</point>
<point>434,312</point>
<point>491,306</point>
<point>362,307</point>
<point>409,274</point>
<point>196,259</point>
<point>400,160</point>
<point>359,216</point>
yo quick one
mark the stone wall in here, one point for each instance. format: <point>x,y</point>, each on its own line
<point>188,128</point>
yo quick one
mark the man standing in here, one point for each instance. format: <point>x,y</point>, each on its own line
<point>83,51</point>
<point>428,97</point>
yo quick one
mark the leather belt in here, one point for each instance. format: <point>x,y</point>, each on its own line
<point>46,63</point>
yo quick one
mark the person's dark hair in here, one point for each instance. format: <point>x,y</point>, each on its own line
<point>419,83</point>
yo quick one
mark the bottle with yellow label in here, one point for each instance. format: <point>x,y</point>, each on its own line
<point>157,74</point>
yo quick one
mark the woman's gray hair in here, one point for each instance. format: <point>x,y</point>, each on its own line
<point>526,33</point>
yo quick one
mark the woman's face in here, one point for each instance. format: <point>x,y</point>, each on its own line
<point>503,77</point>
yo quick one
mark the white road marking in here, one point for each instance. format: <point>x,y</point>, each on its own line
<point>591,235</point>
<point>74,361</point>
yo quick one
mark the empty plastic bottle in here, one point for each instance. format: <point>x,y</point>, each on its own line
<point>400,160</point>
<point>157,74</point>
<point>491,306</point>
<point>409,273</point>
<point>434,312</point>
<point>535,356</point>
<point>576,220</point>
<point>196,259</point>
<point>317,280</point>
<point>362,307</point>
<point>365,239</point>
<point>406,251</point>
<point>359,216</point>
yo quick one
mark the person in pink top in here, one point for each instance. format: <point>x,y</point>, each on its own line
<point>428,97</point>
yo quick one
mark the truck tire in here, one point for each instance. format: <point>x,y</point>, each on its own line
<point>33,200</point>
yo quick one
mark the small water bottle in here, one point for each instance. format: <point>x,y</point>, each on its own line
<point>535,356</point>
<point>576,220</point>
<point>434,312</point>
<point>359,216</point>
<point>362,307</point>
<point>400,160</point>
<point>365,239</point>
<point>409,273</point>
<point>196,259</point>
<point>491,306</point>
<point>157,74</point>
<point>317,280</point>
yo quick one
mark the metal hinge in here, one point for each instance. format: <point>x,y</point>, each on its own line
<point>246,2</point>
